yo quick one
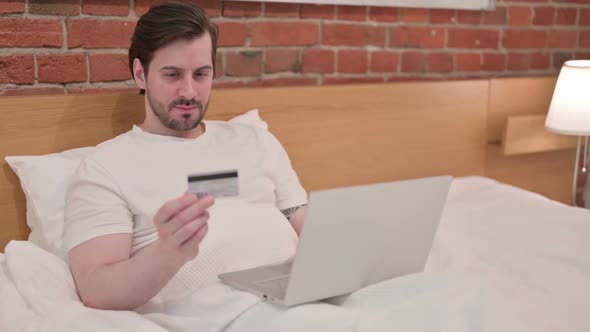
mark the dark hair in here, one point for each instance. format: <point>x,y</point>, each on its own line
<point>166,23</point>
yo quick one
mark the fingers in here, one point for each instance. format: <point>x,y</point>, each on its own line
<point>189,229</point>
<point>171,208</point>
<point>189,213</point>
<point>182,223</point>
<point>190,247</point>
<point>196,210</point>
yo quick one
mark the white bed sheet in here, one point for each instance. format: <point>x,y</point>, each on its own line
<point>503,260</point>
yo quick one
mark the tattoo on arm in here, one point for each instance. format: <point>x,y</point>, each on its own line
<point>290,211</point>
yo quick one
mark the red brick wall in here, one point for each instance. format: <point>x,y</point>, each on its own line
<point>61,46</point>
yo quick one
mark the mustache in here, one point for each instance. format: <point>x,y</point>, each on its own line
<point>187,102</point>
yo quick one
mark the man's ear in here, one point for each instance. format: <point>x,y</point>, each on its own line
<point>139,74</point>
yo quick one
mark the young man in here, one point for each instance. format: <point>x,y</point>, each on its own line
<point>132,231</point>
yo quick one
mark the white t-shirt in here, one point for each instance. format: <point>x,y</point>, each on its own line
<point>119,187</point>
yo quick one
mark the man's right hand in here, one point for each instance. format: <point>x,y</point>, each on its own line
<point>108,277</point>
<point>182,224</point>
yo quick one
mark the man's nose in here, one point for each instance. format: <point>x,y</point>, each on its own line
<point>187,89</point>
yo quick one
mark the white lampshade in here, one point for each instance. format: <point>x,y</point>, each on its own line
<point>569,112</point>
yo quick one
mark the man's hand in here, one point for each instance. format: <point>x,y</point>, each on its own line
<point>182,224</point>
<point>108,277</point>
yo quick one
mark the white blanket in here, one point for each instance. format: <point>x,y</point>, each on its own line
<point>503,260</point>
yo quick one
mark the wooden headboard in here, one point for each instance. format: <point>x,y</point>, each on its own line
<point>335,135</point>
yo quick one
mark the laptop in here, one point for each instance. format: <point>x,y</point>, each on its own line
<point>353,237</point>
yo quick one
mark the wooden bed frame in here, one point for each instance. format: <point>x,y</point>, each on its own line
<point>335,135</point>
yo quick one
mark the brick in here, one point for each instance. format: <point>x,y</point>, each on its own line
<point>105,7</point>
<point>284,33</point>
<point>351,13</point>
<point>25,91</point>
<point>414,15</point>
<point>582,55</point>
<point>566,16</point>
<point>12,7</point>
<point>219,69</point>
<point>318,61</point>
<point>384,62</point>
<point>232,33</point>
<point>540,61</point>
<point>281,60</point>
<point>16,32</point>
<point>273,9</point>
<point>52,7</point>
<point>109,67</point>
<point>443,16</point>
<point>326,12</point>
<point>103,90</point>
<point>414,62</point>
<point>439,62</point>
<point>241,9</point>
<point>245,63</point>
<point>212,7</point>
<point>493,62</point>
<point>142,6</point>
<point>497,17</point>
<point>353,35</point>
<point>582,2</point>
<point>17,69</point>
<point>418,62</point>
<point>353,80</point>
<point>383,14</point>
<point>585,17</point>
<point>469,16</point>
<point>61,68</point>
<point>353,61</point>
<point>524,39</point>
<point>417,37</point>
<point>284,81</point>
<point>562,39</point>
<point>518,61</point>
<point>468,62</point>
<point>544,16</point>
<point>99,33</point>
<point>473,38</point>
<point>560,57</point>
<point>584,38</point>
<point>521,16</point>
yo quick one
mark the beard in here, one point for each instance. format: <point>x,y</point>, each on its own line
<point>188,122</point>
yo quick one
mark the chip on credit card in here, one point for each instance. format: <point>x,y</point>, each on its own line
<point>217,184</point>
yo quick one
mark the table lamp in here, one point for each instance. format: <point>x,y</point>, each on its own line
<point>569,114</point>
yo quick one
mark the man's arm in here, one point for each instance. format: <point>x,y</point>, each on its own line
<point>296,216</point>
<point>108,278</point>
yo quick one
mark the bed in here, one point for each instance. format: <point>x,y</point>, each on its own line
<point>510,253</point>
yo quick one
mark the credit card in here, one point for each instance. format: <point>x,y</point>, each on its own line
<point>217,184</point>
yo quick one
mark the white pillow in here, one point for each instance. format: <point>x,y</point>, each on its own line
<point>250,118</point>
<point>45,179</point>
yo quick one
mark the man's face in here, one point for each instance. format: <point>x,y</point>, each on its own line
<point>178,84</point>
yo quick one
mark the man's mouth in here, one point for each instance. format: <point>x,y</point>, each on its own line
<point>186,109</point>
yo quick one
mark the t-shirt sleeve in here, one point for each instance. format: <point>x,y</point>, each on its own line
<point>288,189</point>
<point>94,206</point>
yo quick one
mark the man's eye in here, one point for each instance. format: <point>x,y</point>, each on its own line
<point>171,75</point>
<point>202,74</point>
